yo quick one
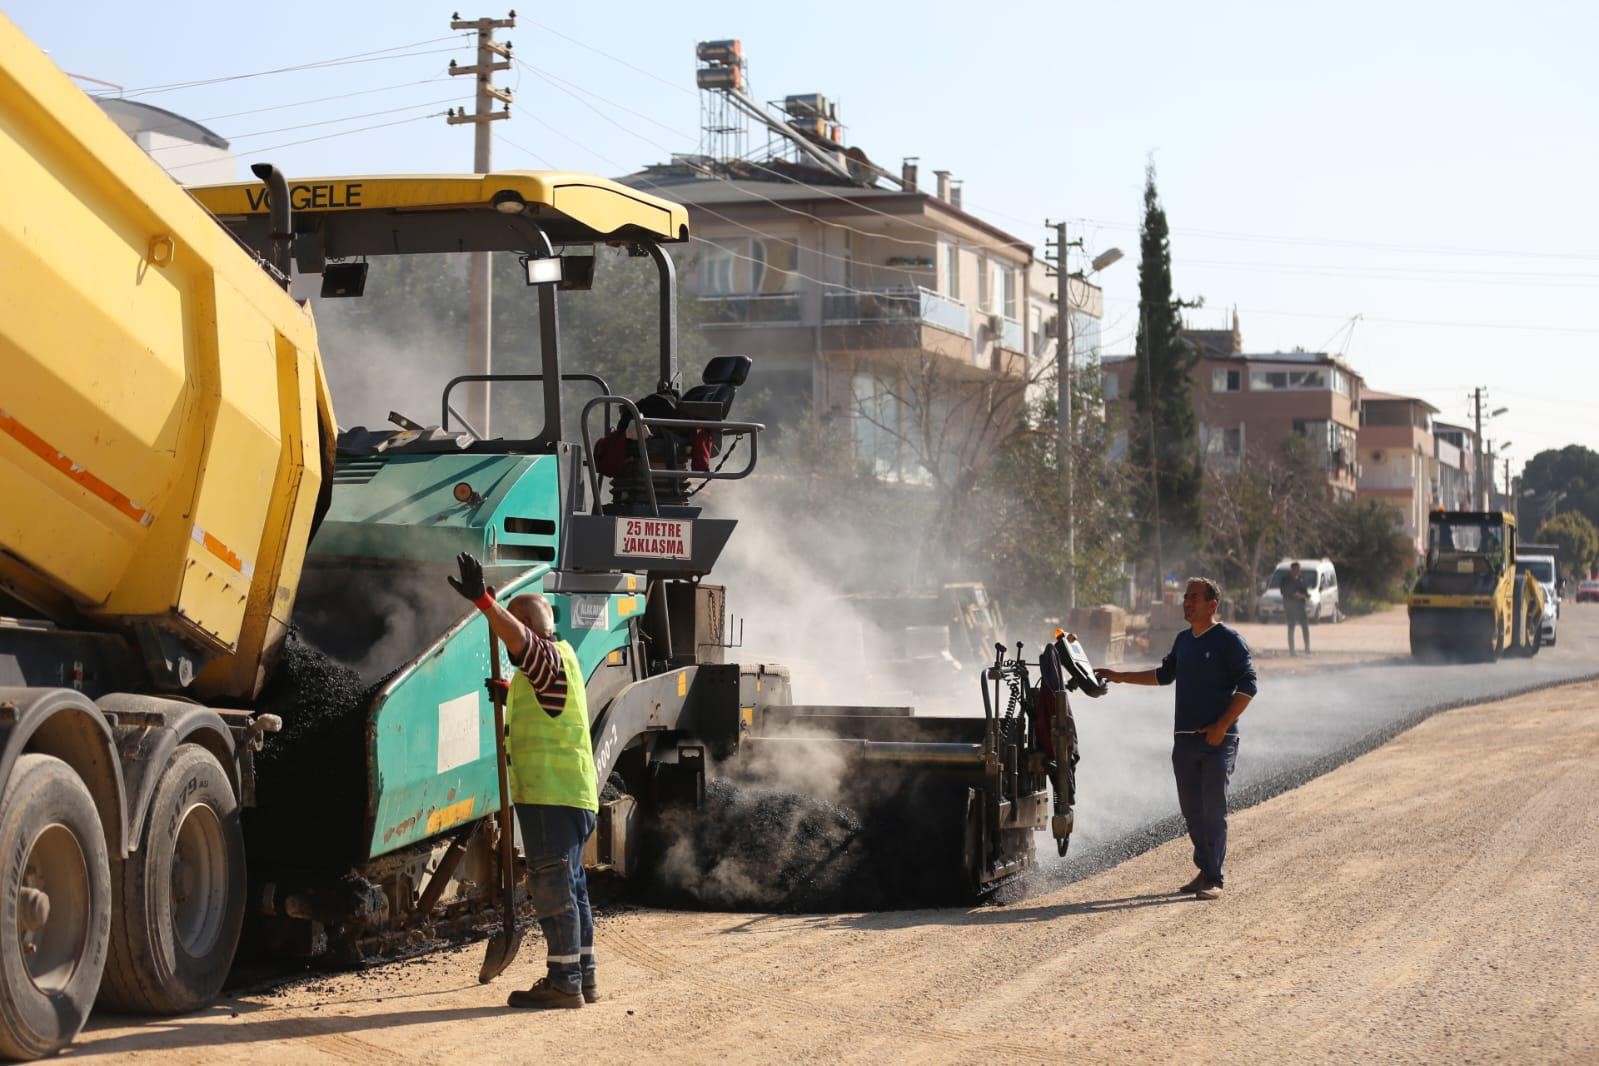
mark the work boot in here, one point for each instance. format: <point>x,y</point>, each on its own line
<point>1193,886</point>
<point>545,996</point>
<point>591,989</point>
<point>1208,891</point>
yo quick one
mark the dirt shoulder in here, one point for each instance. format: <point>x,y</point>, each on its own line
<point>1432,900</point>
<point>1366,638</point>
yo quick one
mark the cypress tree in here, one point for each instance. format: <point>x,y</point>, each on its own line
<point>1163,436</point>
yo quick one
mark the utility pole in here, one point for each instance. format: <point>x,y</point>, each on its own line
<point>1479,489</point>
<point>1063,398</point>
<point>1507,482</point>
<point>479,279</point>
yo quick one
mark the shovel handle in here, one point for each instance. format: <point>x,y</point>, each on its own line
<point>502,948</point>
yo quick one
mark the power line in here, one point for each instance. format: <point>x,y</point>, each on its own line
<point>186,123</point>
<point>1495,278</point>
<point>378,55</point>
<point>1402,321</point>
<point>310,125</point>
<point>1410,249</point>
<point>827,285</point>
<point>309,140</point>
<point>614,59</point>
<point>580,95</point>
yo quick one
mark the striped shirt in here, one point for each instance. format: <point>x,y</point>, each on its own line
<point>541,664</point>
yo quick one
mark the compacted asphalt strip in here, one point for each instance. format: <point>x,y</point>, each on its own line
<point>1300,726</point>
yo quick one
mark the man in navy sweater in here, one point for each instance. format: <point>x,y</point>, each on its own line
<point>1215,677</point>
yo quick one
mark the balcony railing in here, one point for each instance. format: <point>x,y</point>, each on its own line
<point>1010,336</point>
<point>753,309</point>
<point>843,308</point>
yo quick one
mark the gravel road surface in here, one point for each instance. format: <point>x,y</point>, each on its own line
<point>1429,901</point>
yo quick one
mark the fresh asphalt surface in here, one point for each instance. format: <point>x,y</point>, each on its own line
<point>1299,726</point>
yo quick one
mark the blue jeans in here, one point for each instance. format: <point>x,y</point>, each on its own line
<point>1202,774</point>
<point>553,839</point>
<point>1299,616</point>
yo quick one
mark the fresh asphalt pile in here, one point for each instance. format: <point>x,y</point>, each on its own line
<point>311,776</point>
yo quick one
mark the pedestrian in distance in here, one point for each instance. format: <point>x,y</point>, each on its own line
<point>1215,676</point>
<point>552,784</point>
<point>1296,605</point>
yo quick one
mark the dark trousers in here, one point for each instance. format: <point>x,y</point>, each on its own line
<point>1297,616</point>
<point>1202,774</point>
<point>553,838</point>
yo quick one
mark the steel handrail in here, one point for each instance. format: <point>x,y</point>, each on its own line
<point>752,429</point>
<point>449,387</point>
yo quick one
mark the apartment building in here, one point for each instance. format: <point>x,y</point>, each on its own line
<point>1245,401</point>
<point>834,287</point>
<point>1456,450</point>
<point>862,294</point>
<point>1399,458</point>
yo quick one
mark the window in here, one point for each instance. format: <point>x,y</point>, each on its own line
<point>1085,336</point>
<point>1009,289</point>
<point>1284,378</point>
<point>737,266</point>
<point>952,270</point>
<point>781,266</point>
<point>1226,380</point>
<point>985,283</point>
<point>1113,386</point>
<point>1232,442</point>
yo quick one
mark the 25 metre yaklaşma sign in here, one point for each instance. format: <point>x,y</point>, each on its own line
<point>655,538</point>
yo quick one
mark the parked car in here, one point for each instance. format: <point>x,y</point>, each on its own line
<point>1321,580</point>
<point>1588,591</point>
<point>1542,568</point>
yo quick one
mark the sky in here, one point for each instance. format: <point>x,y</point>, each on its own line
<point>1408,184</point>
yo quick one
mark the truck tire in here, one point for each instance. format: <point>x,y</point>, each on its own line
<point>179,899</point>
<point>55,907</point>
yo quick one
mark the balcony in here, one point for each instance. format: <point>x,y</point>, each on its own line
<point>754,309</point>
<point>899,306</point>
<point>1010,335</point>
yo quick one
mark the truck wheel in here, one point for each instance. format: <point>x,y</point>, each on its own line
<point>179,899</point>
<point>55,907</point>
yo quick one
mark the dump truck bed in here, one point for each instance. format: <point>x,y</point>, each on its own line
<point>165,419</point>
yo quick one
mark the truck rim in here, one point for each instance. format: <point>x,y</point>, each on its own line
<point>199,880</point>
<point>55,887</point>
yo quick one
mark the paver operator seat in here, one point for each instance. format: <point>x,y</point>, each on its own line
<point>616,454</point>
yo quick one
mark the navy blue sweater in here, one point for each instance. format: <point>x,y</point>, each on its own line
<point>1208,670</point>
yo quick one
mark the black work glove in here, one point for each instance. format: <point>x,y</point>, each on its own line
<point>471,583</point>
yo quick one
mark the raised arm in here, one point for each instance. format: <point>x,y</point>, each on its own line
<point>512,633</point>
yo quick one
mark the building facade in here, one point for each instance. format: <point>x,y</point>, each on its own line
<point>1399,459</point>
<point>873,304</point>
<point>1247,402</point>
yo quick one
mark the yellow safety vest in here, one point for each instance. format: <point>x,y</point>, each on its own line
<point>552,759</point>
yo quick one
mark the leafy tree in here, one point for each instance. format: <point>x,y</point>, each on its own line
<point>1573,470</point>
<point>1260,509</point>
<point>1576,541</point>
<point>1018,532</point>
<point>1163,436</point>
<point>1365,539</point>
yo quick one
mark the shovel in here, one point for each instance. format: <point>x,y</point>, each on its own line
<point>503,945</point>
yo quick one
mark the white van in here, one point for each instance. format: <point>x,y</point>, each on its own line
<point>1321,580</point>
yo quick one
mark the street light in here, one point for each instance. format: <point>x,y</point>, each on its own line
<point>1063,384</point>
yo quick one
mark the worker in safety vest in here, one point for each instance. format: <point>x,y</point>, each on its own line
<point>552,784</point>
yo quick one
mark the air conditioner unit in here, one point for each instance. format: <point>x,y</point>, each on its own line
<point>996,323</point>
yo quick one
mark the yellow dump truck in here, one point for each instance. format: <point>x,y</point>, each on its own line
<point>1469,601</point>
<point>165,439</point>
